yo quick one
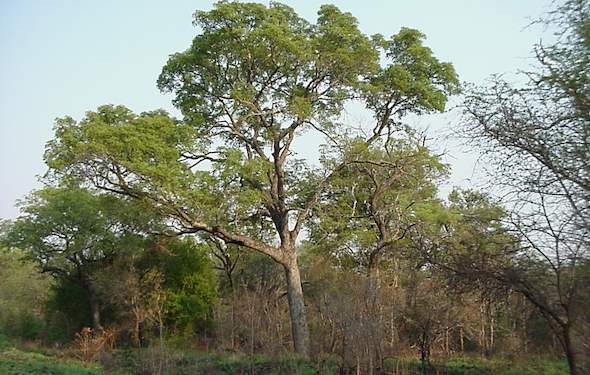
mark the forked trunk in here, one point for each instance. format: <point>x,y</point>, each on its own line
<point>297,308</point>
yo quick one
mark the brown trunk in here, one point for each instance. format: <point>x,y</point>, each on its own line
<point>374,315</point>
<point>297,308</point>
<point>374,284</point>
<point>94,305</point>
<point>570,353</point>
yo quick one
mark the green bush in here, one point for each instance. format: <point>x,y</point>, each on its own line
<point>468,366</point>
<point>5,342</point>
<point>67,311</point>
<point>21,317</point>
<point>190,285</point>
<point>30,326</point>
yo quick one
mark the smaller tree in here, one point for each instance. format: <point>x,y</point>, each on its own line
<point>539,141</point>
<point>372,202</point>
<point>136,296</point>
<point>70,233</point>
<point>427,306</point>
<point>479,252</point>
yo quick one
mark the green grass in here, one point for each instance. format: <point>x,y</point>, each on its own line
<point>19,361</point>
<point>182,362</point>
<point>480,366</point>
<point>14,361</point>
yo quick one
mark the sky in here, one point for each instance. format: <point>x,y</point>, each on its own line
<point>63,57</point>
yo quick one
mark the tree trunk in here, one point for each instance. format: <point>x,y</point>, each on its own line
<point>374,314</point>
<point>94,307</point>
<point>297,308</point>
<point>570,353</point>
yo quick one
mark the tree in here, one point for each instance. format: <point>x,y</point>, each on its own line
<point>253,80</point>
<point>369,206</point>
<point>539,138</point>
<point>70,233</point>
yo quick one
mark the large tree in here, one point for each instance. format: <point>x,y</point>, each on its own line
<point>253,80</point>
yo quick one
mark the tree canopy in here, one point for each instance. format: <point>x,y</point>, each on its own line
<point>253,79</point>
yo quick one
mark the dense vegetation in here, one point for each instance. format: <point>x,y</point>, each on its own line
<point>205,245</point>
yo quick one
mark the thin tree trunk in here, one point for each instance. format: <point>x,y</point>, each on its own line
<point>373,305</point>
<point>297,308</point>
<point>492,333</point>
<point>570,353</point>
<point>447,340</point>
<point>233,319</point>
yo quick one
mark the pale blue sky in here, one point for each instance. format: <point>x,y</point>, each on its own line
<point>66,57</point>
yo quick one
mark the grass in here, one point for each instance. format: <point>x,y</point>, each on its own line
<point>182,362</point>
<point>17,360</point>
<point>479,366</point>
<point>14,361</point>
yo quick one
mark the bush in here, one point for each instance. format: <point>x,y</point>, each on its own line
<point>67,311</point>
<point>21,317</point>
<point>5,342</point>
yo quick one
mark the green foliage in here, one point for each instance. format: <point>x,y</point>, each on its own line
<point>23,292</point>
<point>413,73</point>
<point>68,230</point>
<point>472,242</point>
<point>150,143</point>
<point>5,342</point>
<point>189,284</point>
<point>371,204</point>
<point>270,54</point>
<point>67,311</point>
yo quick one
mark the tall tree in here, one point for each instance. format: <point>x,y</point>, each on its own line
<point>254,79</point>
<point>539,137</point>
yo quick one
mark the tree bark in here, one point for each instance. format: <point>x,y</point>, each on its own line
<point>570,353</point>
<point>94,307</point>
<point>373,304</point>
<point>299,328</point>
